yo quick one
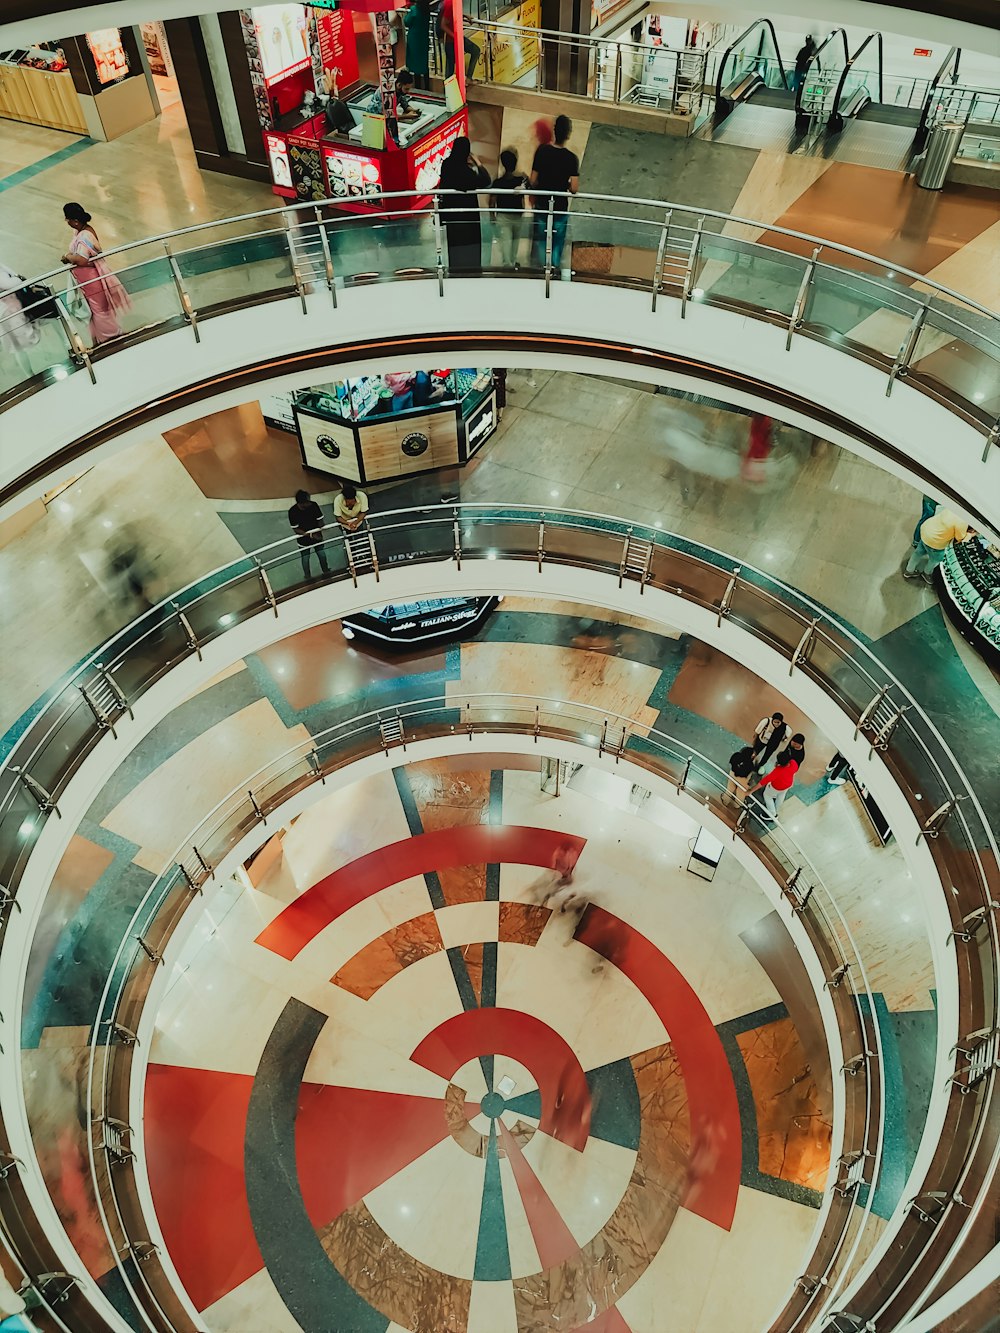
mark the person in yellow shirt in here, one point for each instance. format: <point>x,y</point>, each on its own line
<point>936,534</point>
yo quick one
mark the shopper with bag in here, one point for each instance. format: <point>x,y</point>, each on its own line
<point>17,331</point>
<point>104,297</point>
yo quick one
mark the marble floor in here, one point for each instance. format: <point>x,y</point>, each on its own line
<point>259,708</point>
<point>499,1107</point>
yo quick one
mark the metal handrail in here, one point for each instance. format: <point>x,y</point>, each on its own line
<point>247,803</point>
<point>942,782</point>
<point>767,24</point>
<point>814,59</point>
<point>835,115</point>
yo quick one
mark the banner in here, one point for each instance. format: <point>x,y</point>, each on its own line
<point>338,50</point>
<point>515,55</point>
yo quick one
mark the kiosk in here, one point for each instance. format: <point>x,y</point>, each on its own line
<point>332,132</point>
<point>361,430</point>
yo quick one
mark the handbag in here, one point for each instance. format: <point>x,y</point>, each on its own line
<point>76,303</point>
<point>37,301</point>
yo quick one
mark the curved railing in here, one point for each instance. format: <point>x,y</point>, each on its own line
<point>97,698</point>
<point>907,326</point>
<point>110,1085</point>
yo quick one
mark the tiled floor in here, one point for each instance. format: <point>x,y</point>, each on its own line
<point>466,1221</point>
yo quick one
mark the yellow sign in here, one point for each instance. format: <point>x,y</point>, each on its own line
<point>372,130</point>
<point>514,54</point>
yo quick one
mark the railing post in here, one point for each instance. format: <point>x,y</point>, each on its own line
<point>312,759</point>
<point>149,951</point>
<point>43,800</point>
<point>992,440</point>
<point>548,244</point>
<point>324,240</point>
<point>438,243</point>
<point>684,776</point>
<point>77,349</point>
<point>265,585</point>
<point>261,817</point>
<point>541,543</point>
<point>692,268</point>
<point>934,823</point>
<point>725,606</point>
<point>192,640</point>
<point>869,710</point>
<point>908,347</point>
<point>795,319</point>
<point>296,272</point>
<point>618,74</point>
<point>801,653</point>
<point>457,536</point>
<point>187,309</point>
<point>660,252</point>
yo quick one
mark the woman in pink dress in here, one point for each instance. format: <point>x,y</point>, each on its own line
<point>102,290</point>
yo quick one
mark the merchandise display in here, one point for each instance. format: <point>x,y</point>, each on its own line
<point>970,580</point>
<point>407,623</point>
<point>330,134</point>
<point>404,422</point>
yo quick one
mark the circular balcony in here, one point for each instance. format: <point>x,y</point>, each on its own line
<point>83,730</point>
<point>876,358</point>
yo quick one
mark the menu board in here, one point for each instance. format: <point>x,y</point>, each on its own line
<point>352,175</point>
<point>432,152</point>
<point>282,39</point>
<point>277,156</point>
<point>306,167</point>
<point>337,48</point>
<point>110,60</point>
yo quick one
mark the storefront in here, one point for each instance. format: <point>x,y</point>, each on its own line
<point>324,81</point>
<point>382,427</point>
<point>970,578</point>
<point>93,85</point>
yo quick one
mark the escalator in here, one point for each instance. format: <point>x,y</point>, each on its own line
<point>751,68</point>
<point>860,92</point>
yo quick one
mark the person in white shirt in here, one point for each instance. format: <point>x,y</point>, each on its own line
<point>350,508</point>
<point>770,735</point>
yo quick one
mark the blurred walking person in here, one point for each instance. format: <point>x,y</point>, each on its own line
<point>554,168</point>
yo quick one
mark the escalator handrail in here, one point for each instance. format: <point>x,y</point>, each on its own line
<point>734,44</point>
<point>953,57</point>
<point>850,65</point>
<point>814,60</point>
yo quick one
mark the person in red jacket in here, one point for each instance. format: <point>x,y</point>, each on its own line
<point>776,786</point>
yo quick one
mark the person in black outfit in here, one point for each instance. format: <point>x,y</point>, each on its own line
<point>461,171</point>
<point>554,168</point>
<point>741,767</point>
<point>806,53</point>
<point>508,209</point>
<point>795,749</point>
<point>307,519</point>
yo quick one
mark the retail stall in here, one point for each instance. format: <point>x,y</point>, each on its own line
<point>94,84</point>
<point>970,584</point>
<point>405,624</point>
<point>325,86</point>
<point>381,427</point>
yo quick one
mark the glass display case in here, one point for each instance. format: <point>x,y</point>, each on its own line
<point>970,577</point>
<point>376,427</point>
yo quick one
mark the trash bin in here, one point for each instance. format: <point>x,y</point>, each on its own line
<point>941,149</point>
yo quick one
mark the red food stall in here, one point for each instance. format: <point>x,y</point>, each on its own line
<point>328,133</point>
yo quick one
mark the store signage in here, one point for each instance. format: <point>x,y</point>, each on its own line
<point>923,50</point>
<point>277,156</point>
<point>483,426</point>
<point>338,51</point>
<point>428,158</point>
<point>514,53</point>
<point>414,444</point>
<point>108,55</point>
<point>350,175</point>
<point>282,40</point>
<point>323,442</point>
<point>307,168</point>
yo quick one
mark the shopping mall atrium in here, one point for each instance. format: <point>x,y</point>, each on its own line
<point>500,689</point>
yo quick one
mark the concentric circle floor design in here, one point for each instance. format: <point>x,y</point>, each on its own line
<point>411,1079</point>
